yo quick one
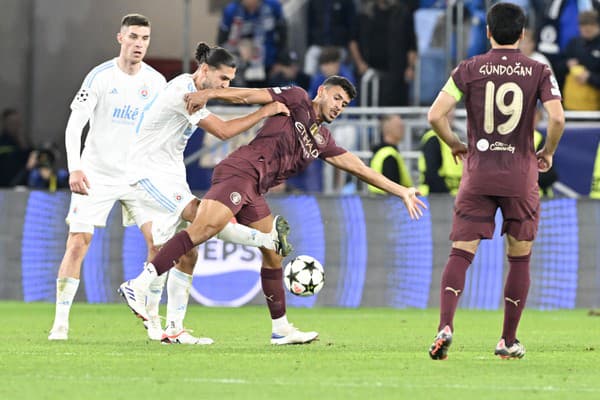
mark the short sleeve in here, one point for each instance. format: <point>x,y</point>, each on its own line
<point>549,89</point>
<point>459,76</point>
<point>176,99</point>
<point>289,95</point>
<point>331,149</point>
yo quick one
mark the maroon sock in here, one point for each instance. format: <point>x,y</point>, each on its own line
<point>272,286</point>
<point>515,296</point>
<point>170,252</point>
<point>453,283</point>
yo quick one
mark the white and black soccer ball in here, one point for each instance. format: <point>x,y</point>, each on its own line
<point>304,276</point>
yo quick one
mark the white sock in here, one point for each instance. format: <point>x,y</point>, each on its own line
<point>279,323</point>
<point>178,291</point>
<point>146,277</point>
<point>155,294</point>
<point>65,293</point>
<point>241,234</point>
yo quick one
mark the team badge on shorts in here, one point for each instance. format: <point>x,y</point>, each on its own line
<point>177,197</point>
<point>235,198</point>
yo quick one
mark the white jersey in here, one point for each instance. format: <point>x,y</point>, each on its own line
<point>163,133</point>
<point>114,102</point>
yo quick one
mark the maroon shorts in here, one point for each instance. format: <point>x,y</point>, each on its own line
<point>474,216</point>
<point>240,195</point>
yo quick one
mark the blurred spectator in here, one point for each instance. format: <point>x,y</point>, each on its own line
<point>438,172</point>
<point>556,25</point>
<point>329,24</point>
<point>384,39</point>
<point>287,72</point>
<point>582,85</point>
<point>528,47</point>
<point>330,63</point>
<point>260,28</point>
<point>386,159</point>
<point>43,173</point>
<point>14,148</point>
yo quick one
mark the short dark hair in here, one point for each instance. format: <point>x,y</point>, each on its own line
<point>214,56</point>
<point>329,55</point>
<point>135,20</point>
<point>588,18</point>
<point>336,80</point>
<point>506,22</point>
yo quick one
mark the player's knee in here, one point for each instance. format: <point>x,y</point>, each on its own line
<point>77,245</point>
<point>271,258</point>
<point>518,248</point>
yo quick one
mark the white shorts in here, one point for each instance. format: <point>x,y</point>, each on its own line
<point>87,212</point>
<point>164,203</point>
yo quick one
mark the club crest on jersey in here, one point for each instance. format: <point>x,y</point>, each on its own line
<point>314,131</point>
<point>235,198</point>
<point>144,92</point>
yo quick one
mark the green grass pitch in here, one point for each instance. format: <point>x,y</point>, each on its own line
<point>366,353</point>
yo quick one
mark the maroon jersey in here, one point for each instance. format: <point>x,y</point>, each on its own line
<point>284,146</point>
<point>501,89</point>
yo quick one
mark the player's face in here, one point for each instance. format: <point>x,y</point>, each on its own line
<point>134,42</point>
<point>218,78</point>
<point>334,100</point>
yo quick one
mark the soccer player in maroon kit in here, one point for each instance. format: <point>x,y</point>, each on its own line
<point>283,147</point>
<point>500,90</point>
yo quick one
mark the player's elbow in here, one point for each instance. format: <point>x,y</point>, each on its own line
<point>557,119</point>
<point>434,116</point>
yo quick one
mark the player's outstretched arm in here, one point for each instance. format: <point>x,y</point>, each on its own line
<point>227,129</point>
<point>196,100</point>
<point>352,164</point>
<point>556,126</point>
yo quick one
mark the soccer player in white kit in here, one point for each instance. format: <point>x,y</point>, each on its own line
<point>158,171</point>
<point>112,98</point>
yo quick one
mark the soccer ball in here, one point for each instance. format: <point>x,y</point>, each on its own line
<point>304,276</point>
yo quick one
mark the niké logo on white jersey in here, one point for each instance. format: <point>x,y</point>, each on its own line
<point>125,115</point>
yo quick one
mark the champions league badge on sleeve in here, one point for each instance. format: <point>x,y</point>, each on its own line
<point>226,274</point>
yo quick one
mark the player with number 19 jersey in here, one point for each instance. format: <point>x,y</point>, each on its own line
<point>501,89</point>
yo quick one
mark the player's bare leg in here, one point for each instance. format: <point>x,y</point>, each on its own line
<point>452,286</point>
<point>515,297</point>
<point>67,282</point>
<point>271,274</point>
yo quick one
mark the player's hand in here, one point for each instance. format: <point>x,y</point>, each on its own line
<point>459,151</point>
<point>195,101</point>
<point>544,160</point>
<point>413,204</point>
<point>78,182</point>
<point>275,108</point>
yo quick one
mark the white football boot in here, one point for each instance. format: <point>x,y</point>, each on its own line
<point>60,332</point>
<point>292,335</point>
<point>154,328</point>
<point>182,336</point>
<point>135,298</point>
